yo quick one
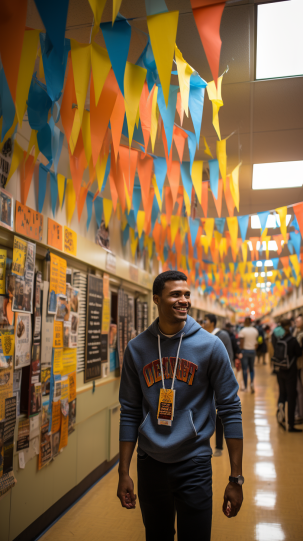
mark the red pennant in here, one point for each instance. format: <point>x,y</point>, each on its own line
<point>218,202</point>
<point>100,114</point>
<point>285,261</point>
<point>78,164</point>
<point>298,210</point>
<point>204,197</point>
<point>145,170</point>
<point>208,14</point>
<point>26,175</point>
<point>179,137</point>
<point>174,179</point>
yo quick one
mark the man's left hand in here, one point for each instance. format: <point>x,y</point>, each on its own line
<point>233,499</point>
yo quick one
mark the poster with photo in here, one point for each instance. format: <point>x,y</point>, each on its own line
<point>45,454</point>
<point>6,210</point>
<point>55,443</point>
<point>22,340</point>
<point>93,329</point>
<point>102,236</point>
<point>47,330</point>
<point>62,308</point>
<point>6,389</point>
<point>37,307</point>
<point>23,286</point>
<point>74,324</point>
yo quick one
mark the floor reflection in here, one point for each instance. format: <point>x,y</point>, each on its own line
<point>261,422</point>
<point>269,532</point>
<point>264,498</point>
<point>263,433</point>
<point>265,470</point>
<point>264,449</point>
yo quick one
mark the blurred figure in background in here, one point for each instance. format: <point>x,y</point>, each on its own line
<point>298,333</point>
<point>248,342</point>
<point>210,325</point>
<point>237,355</point>
<point>262,347</point>
<point>286,353</point>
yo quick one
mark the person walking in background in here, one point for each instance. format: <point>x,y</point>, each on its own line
<point>298,333</point>
<point>261,347</point>
<point>237,355</point>
<point>248,342</point>
<point>210,323</point>
<point>286,352</point>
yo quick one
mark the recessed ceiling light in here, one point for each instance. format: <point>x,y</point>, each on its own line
<point>279,44</point>
<point>270,176</point>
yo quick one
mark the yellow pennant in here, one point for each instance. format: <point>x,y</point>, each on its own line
<point>154,119</point>
<point>86,135</point>
<point>116,8</point>
<point>231,267</point>
<point>232,223</point>
<point>214,94</point>
<point>128,201</point>
<point>204,243</point>
<point>163,221</point>
<point>162,30</point>
<point>218,237</point>
<point>81,61</point>
<point>16,160</point>
<point>209,228</point>
<point>140,222</point>
<point>207,149</point>
<point>244,251</point>
<point>196,175</point>
<point>157,193</point>
<point>187,203</point>
<point>123,222</point>
<point>97,9</point>
<point>107,210</point>
<point>100,67</point>
<point>183,262</point>
<point>26,68</point>
<point>61,186</point>
<point>295,263</point>
<point>174,226</point>
<point>282,211</point>
<point>150,247</point>
<point>70,200</point>
<point>133,241</point>
<point>234,186</point>
<point>184,73</point>
<point>100,170</point>
<point>222,159</point>
<point>134,78</point>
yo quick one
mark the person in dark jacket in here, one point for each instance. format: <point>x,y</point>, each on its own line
<point>262,347</point>
<point>287,377</point>
<point>235,346</point>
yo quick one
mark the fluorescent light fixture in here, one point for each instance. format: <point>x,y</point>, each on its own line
<point>268,263</point>
<point>272,222</point>
<point>269,273</point>
<point>256,274</point>
<point>279,40</point>
<point>270,176</point>
<point>272,246</point>
<point>259,263</point>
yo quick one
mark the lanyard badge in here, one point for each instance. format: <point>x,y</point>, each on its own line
<point>166,406</point>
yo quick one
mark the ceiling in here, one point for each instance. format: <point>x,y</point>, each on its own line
<point>265,117</point>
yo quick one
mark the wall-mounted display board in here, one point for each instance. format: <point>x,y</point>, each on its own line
<point>93,358</point>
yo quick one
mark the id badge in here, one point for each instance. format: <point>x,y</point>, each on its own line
<point>166,407</point>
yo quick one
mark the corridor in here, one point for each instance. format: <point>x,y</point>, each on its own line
<point>272,509</point>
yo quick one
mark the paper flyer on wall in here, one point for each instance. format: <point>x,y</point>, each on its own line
<point>37,307</point>
<point>5,160</point>
<point>57,282</point>
<point>94,322</point>
<point>47,330</point>
<point>23,435</point>
<point>24,281</point>
<point>17,388</point>
<point>6,389</point>
<point>7,347</point>
<point>45,454</point>
<point>3,255</point>
<point>9,430</point>
<point>6,210</point>
<point>22,340</point>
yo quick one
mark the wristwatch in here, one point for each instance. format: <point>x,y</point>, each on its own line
<point>239,480</point>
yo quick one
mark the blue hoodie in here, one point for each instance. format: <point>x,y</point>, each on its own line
<point>204,369</point>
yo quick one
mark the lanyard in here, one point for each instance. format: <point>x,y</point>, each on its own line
<point>177,361</point>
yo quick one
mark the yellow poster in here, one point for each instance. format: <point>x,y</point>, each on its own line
<point>56,416</point>
<point>57,281</point>
<point>57,360</point>
<point>64,388</point>
<point>3,254</point>
<point>105,316</point>
<point>8,344</point>
<point>58,334</point>
<point>64,432</point>
<point>6,388</point>
<point>70,241</point>
<point>19,255</point>
<point>69,361</point>
<point>72,387</point>
<point>106,286</point>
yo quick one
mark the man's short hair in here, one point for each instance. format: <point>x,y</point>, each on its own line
<point>247,320</point>
<point>228,325</point>
<point>212,318</point>
<point>167,276</point>
<point>286,322</point>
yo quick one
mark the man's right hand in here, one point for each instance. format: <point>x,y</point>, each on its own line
<point>125,492</point>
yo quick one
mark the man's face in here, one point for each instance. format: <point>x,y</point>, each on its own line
<point>299,322</point>
<point>174,301</point>
<point>208,325</point>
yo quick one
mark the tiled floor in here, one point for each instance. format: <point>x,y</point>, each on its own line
<point>273,501</point>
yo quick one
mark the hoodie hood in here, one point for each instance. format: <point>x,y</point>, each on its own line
<point>190,328</point>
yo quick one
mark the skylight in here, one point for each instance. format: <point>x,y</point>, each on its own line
<point>269,176</point>
<point>279,40</point>
<point>272,222</point>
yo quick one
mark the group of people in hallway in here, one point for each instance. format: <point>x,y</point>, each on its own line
<point>284,345</point>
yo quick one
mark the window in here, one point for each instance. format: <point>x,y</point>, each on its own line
<point>272,222</point>
<point>270,176</point>
<point>279,40</point>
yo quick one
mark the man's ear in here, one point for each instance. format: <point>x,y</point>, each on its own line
<point>156,299</point>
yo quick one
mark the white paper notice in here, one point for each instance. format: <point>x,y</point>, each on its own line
<point>47,330</point>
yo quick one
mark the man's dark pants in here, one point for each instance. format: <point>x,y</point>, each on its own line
<point>287,380</point>
<point>184,488</point>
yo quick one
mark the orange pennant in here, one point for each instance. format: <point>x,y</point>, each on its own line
<point>116,121</point>
<point>100,114</point>
<point>298,210</point>
<point>179,137</point>
<point>180,198</point>
<point>128,161</point>
<point>279,239</point>
<point>69,98</point>
<point>180,109</point>
<point>254,253</point>
<point>26,175</point>
<point>77,163</point>
<point>145,108</point>
<point>204,197</point>
<point>168,202</point>
<point>147,223</point>
<point>113,191</point>
<point>117,176</point>
<point>174,179</point>
<point>81,200</point>
<point>218,202</point>
<point>12,27</point>
<point>229,198</point>
<point>169,158</point>
<point>145,171</point>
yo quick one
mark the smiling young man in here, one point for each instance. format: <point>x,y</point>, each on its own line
<point>170,374</point>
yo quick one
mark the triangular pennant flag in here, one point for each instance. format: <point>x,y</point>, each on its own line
<point>196,102</point>
<point>296,242</point>
<point>218,201</point>
<point>70,200</point>
<point>54,16</point>
<point>234,186</point>
<point>7,107</point>
<point>204,202</point>
<point>194,227</point>
<point>97,9</point>
<point>244,251</point>
<point>133,85</point>
<point>222,159</point>
<point>89,208</point>
<point>186,179</point>
<point>117,41</point>
<point>133,241</point>
<point>54,191</point>
<point>12,26</point>
<point>128,161</point>
<point>145,107</point>
<point>298,210</point>
<point>168,203</point>
<point>107,210</point>
<point>282,211</point>
<point>174,179</point>
<point>263,219</point>
<point>148,210</point>
<point>192,147</point>
<point>214,94</point>
<point>100,67</point>
<point>116,9</point>
<point>81,200</point>
<point>162,29</point>
<point>209,228</point>
<point>98,204</point>
<point>179,137</point>
<point>154,119</point>
<point>168,112</point>
<point>77,163</point>
<point>228,198</point>
<point>243,224</point>
<point>232,223</point>
<point>86,135</point>
<point>43,172</point>
<point>214,176</point>
<point>136,200</point>
<point>140,222</point>
<point>180,109</point>
<point>69,99</point>
<point>81,60</point>
<point>116,122</point>
<point>17,158</point>
<point>207,149</point>
<point>26,68</point>
<point>207,17</point>
<point>174,226</point>
<point>220,223</point>
<point>196,175</point>
<point>101,114</point>
<point>145,170</point>
<point>26,174</point>
<point>160,168</point>
<point>184,73</point>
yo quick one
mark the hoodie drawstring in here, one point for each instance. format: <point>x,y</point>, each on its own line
<point>177,361</point>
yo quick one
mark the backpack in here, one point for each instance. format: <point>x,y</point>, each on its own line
<point>280,358</point>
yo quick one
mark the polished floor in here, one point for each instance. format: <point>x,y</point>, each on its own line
<point>273,501</point>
